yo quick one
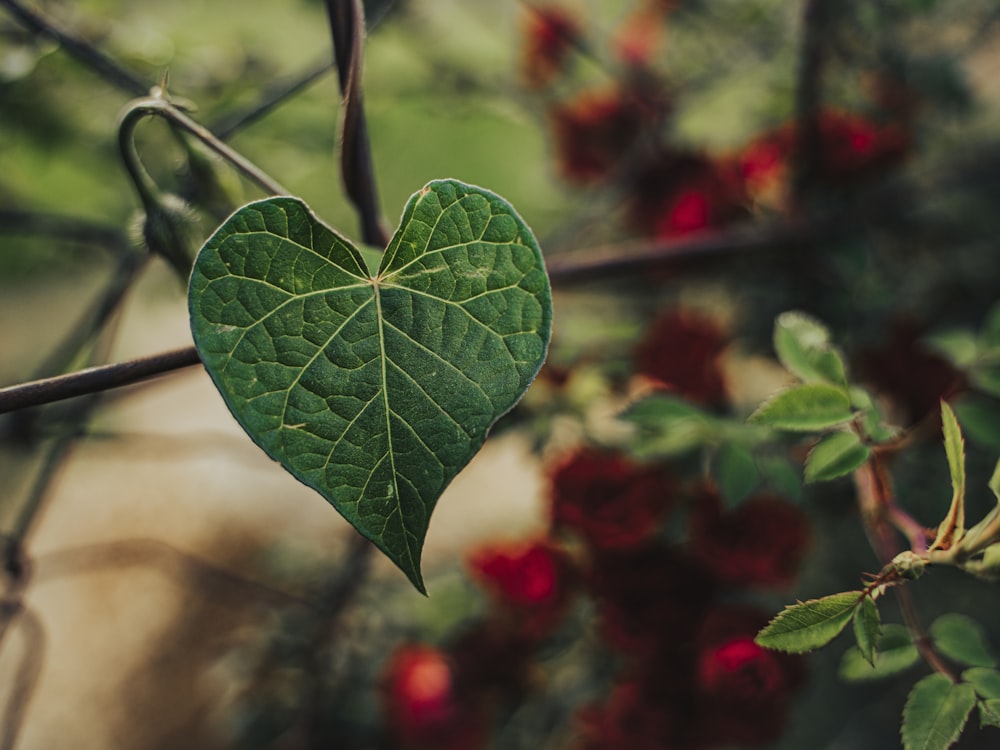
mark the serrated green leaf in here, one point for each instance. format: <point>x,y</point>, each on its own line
<point>374,390</point>
<point>735,472</point>
<point>953,526</point>
<point>980,420</point>
<point>961,638</point>
<point>837,454</point>
<point>986,681</point>
<point>989,713</point>
<point>814,406</point>
<point>808,625</point>
<point>867,625</point>
<point>803,346</point>
<point>895,652</point>
<point>935,713</point>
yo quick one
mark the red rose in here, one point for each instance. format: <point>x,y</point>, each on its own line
<point>761,543</point>
<point>528,579</point>
<point>550,34</point>
<point>421,704</point>
<point>610,501</point>
<point>682,350</point>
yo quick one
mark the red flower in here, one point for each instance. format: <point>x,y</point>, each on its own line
<point>598,129</point>
<point>649,599</point>
<point>681,351</point>
<point>761,543</point>
<point>914,378</point>
<point>610,501</point>
<point>630,717</point>
<point>677,193</point>
<point>529,580</point>
<point>421,703</point>
<point>549,37</point>
<point>743,689</point>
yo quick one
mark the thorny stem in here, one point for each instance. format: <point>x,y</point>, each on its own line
<point>875,498</point>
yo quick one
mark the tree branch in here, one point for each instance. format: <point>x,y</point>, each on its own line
<point>94,379</point>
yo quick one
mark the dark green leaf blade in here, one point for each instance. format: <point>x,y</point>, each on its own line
<point>935,713</point>
<point>374,391</point>
<point>895,653</point>
<point>961,638</point>
<point>814,406</point>
<point>867,625</point>
<point>808,625</point>
<point>837,454</point>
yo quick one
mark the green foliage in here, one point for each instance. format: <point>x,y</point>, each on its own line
<point>835,455</point>
<point>374,390</point>
<point>808,625</point>
<point>803,346</point>
<point>935,713</point>
<point>962,639</point>
<point>867,626</point>
<point>953,526</point>
<point>895,652</point>
<point>806,408</point>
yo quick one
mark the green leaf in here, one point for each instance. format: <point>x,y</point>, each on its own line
<point>953,526</point>
<point>994,483</point>
<point>374,390</point>
<point>895,653</point>
<point>668,426</point>
<point>814,406</point>
<point>736,472</point>
<point>989,713</point>
<point>958,346</point>
<point>985,377</point>
<point>808,625</point>
<point>961,638</point>
<point>985,681</point>
<point>866,628</point>
<point>935,713</point>
<point>779,475</point>
<point>837,454</point>
<point>980,419</point>
<point>803,346</point>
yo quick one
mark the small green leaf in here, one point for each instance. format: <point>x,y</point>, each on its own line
<point>374,390</point>
<point>985,377</point>
<point>735,472</point>
<point>985,681</point>
<point>989,712</point>
<point>953,526</point>
<point>980,420</point>
<point>866,628</point>
<point>803,346</point>
<point>935,713</point>
<point>894,654</point>
<point>668,426</point>
<point>989,332</point>
<point>808,625</point>
<point>994,483</point>
<point>837,454</point>
<point>961,638</point>
<point>779,475</point>
<point>958,346</point>
<point>814,406</point>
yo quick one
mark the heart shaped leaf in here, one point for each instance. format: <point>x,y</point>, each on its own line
<point>374,390</point>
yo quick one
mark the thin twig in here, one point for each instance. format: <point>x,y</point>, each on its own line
<point>347,27</point>
<point>78,47</point>
<point>808,88</point>
<point>58,226</point>
<point>94,379</point>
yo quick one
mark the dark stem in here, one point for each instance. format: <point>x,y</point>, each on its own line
<point>347,27</point>
<point>94,379</point>
<point>808,87</point>
<point>57,226</point>
<point>79,48</point>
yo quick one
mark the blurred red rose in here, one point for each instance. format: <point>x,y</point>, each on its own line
<point>763,542</point>
<point>595,131</point>
<point>744,689</point>
<point>550,34</point>
<point>421,704</point>
<point>681,350</point>
<point>530,580</point>
<point>649,599</point>
<point>609,500</point>
<point>628,718</point>
<point>914,378</point>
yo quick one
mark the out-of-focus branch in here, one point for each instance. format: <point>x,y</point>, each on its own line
<point>61,227</point>
<point>94,379</point>
<point>808,95</point>
<point>347,27</point>
<point>85,52</point>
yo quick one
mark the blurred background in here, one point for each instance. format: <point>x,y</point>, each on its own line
<point>691,169</point>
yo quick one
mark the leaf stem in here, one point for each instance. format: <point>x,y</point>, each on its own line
<point>94,379</point>
<point>159,104</point>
